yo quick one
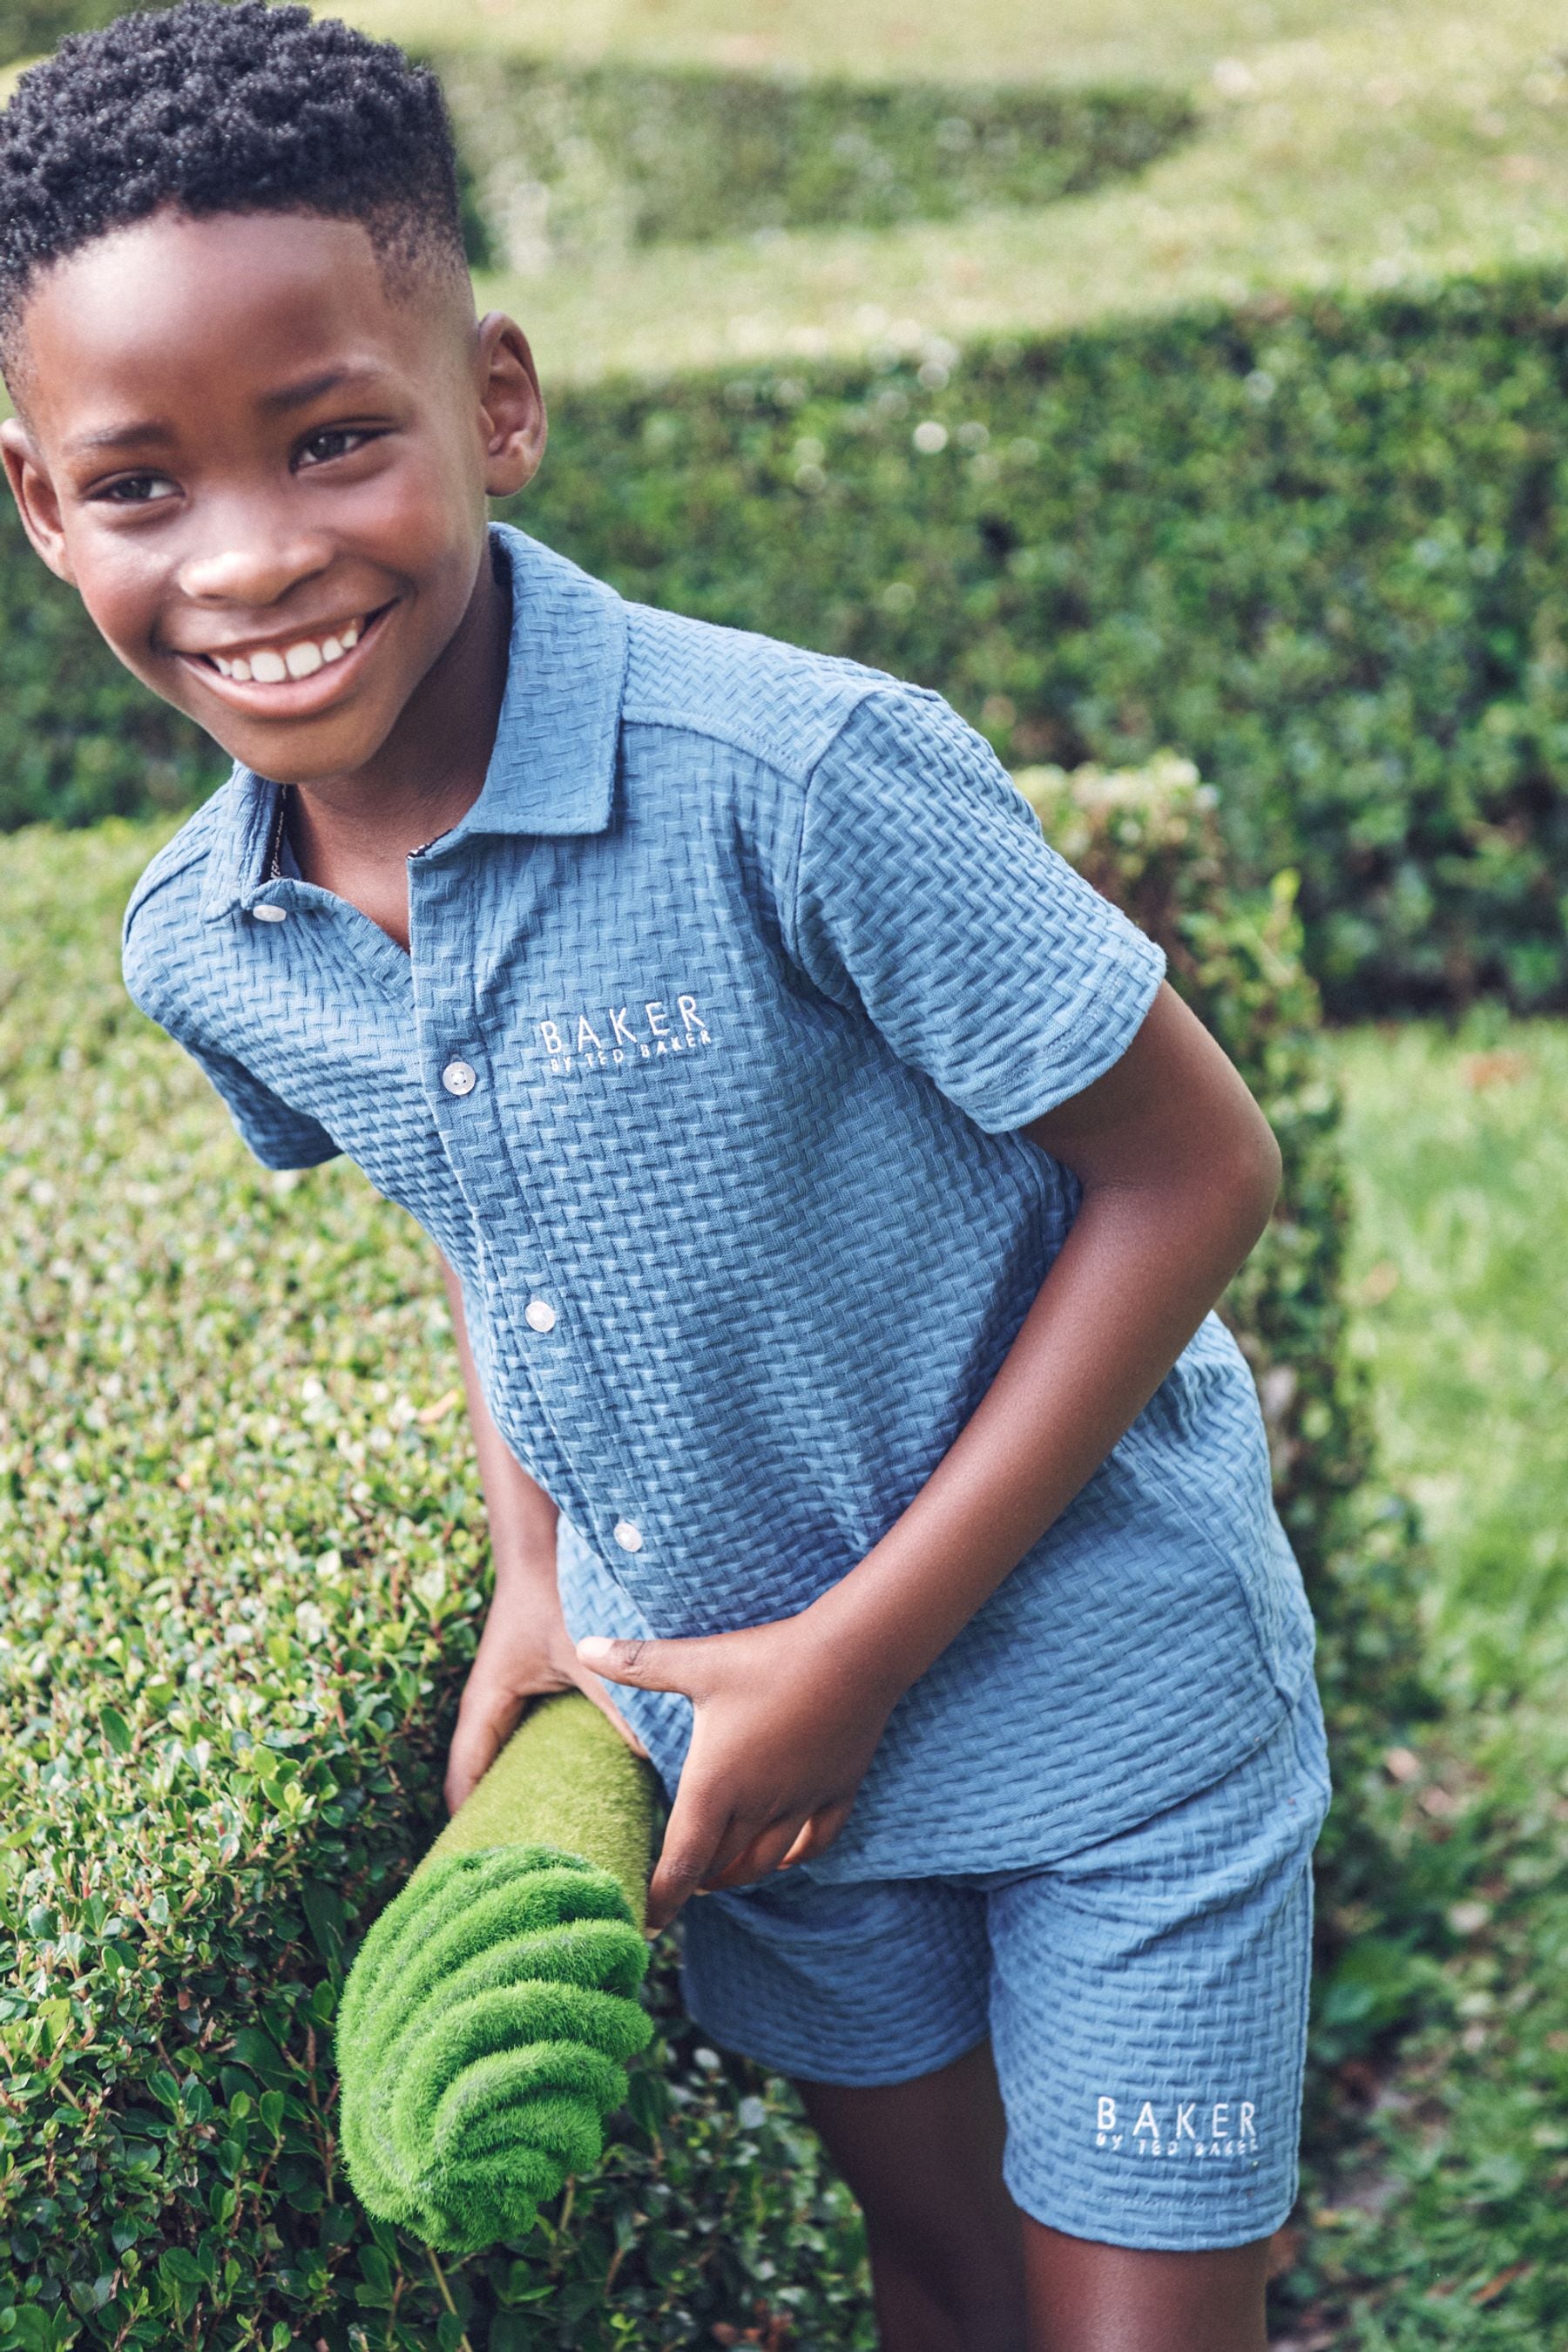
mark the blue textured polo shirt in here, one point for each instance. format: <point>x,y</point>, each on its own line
<point>724,1004</point>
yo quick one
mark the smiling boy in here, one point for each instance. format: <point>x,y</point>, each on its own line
<point>833,1197</point>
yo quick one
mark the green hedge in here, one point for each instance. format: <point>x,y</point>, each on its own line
<point>241,1573</point>
<point>1320,547</point>
<point>568,161</point>
<point>28,27</point>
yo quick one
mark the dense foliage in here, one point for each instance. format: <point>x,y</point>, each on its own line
<point>569,163</point>
<point>241,1573</point>
<point>1320,547</point>
<point>28,27</point>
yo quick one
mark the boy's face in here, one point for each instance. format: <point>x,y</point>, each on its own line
<point>265,475</point>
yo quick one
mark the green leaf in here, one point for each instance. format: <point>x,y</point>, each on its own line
<point>257,2051</point>
<point>115,1729</point>
<point>323,1911</point>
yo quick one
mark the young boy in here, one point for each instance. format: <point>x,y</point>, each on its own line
<point>833,1196</point>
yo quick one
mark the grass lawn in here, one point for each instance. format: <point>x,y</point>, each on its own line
<point>1339,145</point>
<point>1448,2226</point>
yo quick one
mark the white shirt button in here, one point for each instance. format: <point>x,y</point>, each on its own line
<point>539,1315</point>
<point>459,1078</point>
<point>270,914</point>
<point>627,1536</point>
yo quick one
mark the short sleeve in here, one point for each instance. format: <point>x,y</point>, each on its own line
<point>279,1136</point>
<point>925,890</point>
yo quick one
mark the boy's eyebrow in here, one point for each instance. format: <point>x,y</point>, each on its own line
<point>121,437</point>
<point>314,388</point>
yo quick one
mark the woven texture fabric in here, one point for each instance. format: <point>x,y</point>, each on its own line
<point>1146,1999</point>
<point>753,962</point>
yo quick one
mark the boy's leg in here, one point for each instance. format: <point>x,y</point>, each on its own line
<point>872,1999</point>
<point>1087,2298</point>
<point>924,2161</point>
<point>1148,2014</point>
<point>956,2268</point>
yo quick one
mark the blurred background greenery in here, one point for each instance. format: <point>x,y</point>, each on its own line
<point>1237,332</point>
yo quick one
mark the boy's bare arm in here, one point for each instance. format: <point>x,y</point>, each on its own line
<point>1179,1172</point>
<point>525,1649</point>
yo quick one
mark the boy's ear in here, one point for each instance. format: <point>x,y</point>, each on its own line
<point>36,498</point>
<point>511,406</point>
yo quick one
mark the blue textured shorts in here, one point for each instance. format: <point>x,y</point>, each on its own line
<point>1146,1999</point>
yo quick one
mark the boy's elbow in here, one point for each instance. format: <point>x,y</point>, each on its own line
<point>1254,1171</point>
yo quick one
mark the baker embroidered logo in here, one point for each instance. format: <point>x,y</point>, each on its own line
<point>623,1033</point>
<point>1193,2127</point>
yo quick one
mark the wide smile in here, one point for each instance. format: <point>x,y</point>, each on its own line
<point>289,676</point>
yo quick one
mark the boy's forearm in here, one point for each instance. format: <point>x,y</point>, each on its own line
<point>1124,1297</point>
<point>1154,1242</point>
<point>522,1515</point>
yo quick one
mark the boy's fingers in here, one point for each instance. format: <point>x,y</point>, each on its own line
<point>817,1836</point>
<point>469,1759</point>
<point>650,1666</point>
<point>762,1856</point>
<point>691,1839</point>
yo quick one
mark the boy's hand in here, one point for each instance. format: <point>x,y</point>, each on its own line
<point>525,1652</point>
<point>785,1730</point>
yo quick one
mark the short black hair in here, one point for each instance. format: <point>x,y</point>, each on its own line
<point>219,106</point>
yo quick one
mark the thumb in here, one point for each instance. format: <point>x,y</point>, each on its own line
<point>648,1665</point>
<point>476,1743</point>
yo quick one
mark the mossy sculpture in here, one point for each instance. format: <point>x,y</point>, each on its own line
<point>485,2023</point>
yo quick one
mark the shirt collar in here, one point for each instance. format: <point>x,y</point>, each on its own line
<point>553,770</point>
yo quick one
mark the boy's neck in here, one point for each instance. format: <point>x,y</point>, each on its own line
<point>354,834</point>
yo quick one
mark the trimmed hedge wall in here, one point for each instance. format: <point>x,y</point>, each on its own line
<point>242,1572</point>
<point>572,162</point>
<point>1320,547</point>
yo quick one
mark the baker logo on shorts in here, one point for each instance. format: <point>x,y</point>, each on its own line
<point>1193,2127</point>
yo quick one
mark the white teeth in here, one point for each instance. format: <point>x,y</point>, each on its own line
<point>302,660</point>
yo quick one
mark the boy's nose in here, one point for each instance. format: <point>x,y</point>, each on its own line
<point>253,575</point>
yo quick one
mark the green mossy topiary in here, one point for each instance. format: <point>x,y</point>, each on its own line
<point>484,2026</point>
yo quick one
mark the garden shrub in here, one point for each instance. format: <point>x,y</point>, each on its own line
<point>1319,545</point>
<point>80,739</point>
<point>242,1573</point>
<point>28,27</point>
<point>572,162</point>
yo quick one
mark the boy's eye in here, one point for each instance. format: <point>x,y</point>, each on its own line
<point>332,441</point>
<point>138,489</point>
